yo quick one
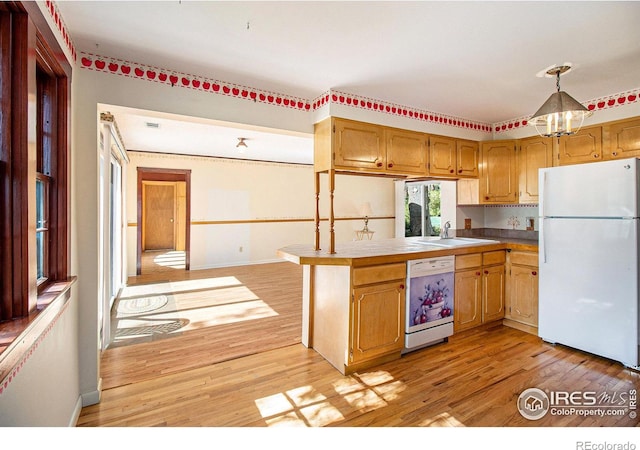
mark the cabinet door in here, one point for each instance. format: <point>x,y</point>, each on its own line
<point>442,156</point>
<point>358,145</point>
<point>467,158</point>
<point>467,299</point>
<point>583,147</point>
<point>377,320</point>
<point>492,293</point>
<point>535,153</point>
<point>523,294</point>
<point>624,139</point>
<point>498,177</point>
<point>406,152</point>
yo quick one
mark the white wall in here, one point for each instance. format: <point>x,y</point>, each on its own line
<point>44,391</point>
<point>238,190</point>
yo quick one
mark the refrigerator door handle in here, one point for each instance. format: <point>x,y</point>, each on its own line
<point>542,244</point>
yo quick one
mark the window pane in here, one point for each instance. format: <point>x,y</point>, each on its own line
<point>40,251</point>
<point>39,203</point>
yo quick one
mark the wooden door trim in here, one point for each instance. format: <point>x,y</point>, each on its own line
<point>159,174</point>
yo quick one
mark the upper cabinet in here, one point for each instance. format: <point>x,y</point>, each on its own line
<point>498,174</point>
<point>535,153</point>
<point>449,157</point>
<point>442,156</point>
<point>582,147</point>
<point>358,145</point>
<point>623,139</point>
<point>467,155</point>
<point>353,146</point>
<point>406,151</point>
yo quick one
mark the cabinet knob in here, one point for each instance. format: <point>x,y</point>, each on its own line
<point>486,272</point>
<point>486,197</point>
<point>459,170</point>
<point>478,274</point>
<point>451,171</point>
<point>401,286</point>
<point>534,273</point>
<point>379,164</point>
<point>595,155</point>
<point>615,153</point>
<point>390,165</point>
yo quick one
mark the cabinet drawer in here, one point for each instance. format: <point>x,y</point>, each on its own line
<point>468,261</point>
<point>490,258</point>
<point>378,274</point>
<point>524,258</point>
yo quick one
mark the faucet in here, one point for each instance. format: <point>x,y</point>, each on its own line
<point>444,233</point>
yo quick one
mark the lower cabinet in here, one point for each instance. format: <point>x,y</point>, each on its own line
<point>522,291</point>
<point>378,320</point>
<point>358,314</point>
<point>479,289</point>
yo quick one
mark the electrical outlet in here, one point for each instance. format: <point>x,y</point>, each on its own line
<point>240,249</point>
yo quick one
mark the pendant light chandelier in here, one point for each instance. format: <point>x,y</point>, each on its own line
<point>561,114</point>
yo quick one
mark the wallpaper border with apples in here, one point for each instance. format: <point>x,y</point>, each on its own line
<point>62,28</point>
<point>176,78</point>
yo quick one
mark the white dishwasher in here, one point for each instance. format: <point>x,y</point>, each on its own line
<point>429,302</point>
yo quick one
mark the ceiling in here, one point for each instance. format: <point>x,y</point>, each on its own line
<point>477,60</point>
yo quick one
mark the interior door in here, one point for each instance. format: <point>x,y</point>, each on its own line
<point>159,206</point>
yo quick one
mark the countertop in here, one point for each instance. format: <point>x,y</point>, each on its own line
<point>382,251</point>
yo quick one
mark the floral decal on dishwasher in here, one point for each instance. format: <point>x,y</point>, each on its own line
<point>434,303</point>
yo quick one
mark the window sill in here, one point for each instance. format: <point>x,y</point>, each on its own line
<point>18,336</point>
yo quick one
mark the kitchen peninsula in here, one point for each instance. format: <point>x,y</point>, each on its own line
<point>354,300</point>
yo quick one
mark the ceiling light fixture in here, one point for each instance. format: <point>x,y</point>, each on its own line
<point>242,143</point>
<point>561,114</point>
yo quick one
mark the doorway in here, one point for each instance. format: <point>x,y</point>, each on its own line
<point>163,218</point>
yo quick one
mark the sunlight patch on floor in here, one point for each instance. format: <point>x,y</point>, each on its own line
<point>178,286</point>
<point>307,406</point>
<point>442,420</point>
<point>173,259</point>
<point>192,319</point>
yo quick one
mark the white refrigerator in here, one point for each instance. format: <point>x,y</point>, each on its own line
<point>588,250</point>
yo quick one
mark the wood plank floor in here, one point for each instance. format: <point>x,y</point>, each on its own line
<point>206,316</point>
<point>474,380</point>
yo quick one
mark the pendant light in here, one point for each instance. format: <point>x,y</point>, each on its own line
<point>561,114</point>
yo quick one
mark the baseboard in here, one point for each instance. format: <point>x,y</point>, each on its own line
<point>76,413</point>
<point>520,326</point>
<point>92,398</point>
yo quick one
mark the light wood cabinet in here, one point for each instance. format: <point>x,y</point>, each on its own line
<point>406,152</point>
<point>357,314</point>
<point>479,289</point>
<point>498,174</point>
<point>378,320</point>
<point>522,291</point>
<point>442,156</point>
<point>582,147</point>
<point>623,139</point>
<point>492,293</point>
<point>467,309</point>
<point>534,153</point>
<point>358,145</point>
<point>467,158</point>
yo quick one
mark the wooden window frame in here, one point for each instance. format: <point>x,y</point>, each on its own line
<point>27,44</point>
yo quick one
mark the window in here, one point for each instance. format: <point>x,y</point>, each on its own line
<point>422,208</point>
<point>31,68</point>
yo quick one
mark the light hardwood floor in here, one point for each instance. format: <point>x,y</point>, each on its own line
<point>474,380</point>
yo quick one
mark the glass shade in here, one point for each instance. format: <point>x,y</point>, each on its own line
<point>560,115</point>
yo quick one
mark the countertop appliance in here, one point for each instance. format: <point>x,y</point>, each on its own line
<point>429,311</point>
<point>588,250</point>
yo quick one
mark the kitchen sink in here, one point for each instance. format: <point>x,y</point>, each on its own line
<point>456,242</point>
